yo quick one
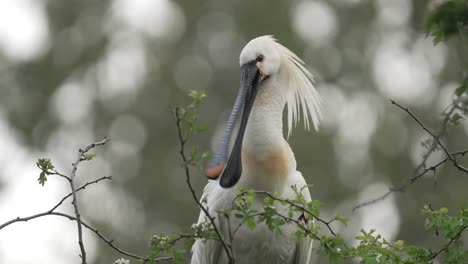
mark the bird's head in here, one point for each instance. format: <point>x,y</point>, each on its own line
<point>264,53</point>
<point>262,60</point>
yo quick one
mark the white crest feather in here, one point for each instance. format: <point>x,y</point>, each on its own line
<point>302,95</point>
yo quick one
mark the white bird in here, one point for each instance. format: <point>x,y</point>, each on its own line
<point>272,77</point>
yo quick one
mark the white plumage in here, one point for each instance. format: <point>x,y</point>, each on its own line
<point>267,162</point>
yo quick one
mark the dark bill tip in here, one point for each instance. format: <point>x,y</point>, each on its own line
<point>233,170</point>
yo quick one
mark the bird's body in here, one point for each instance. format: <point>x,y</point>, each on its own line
<point>259,245</point>
<point>266,160</point>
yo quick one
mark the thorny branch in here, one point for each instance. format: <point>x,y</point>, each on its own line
<point>450,156</point>
<point>183,141</point>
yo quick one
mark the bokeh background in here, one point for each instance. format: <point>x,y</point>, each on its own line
<point>72,72</point>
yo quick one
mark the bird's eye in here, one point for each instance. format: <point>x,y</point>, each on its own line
<point>259,58</point>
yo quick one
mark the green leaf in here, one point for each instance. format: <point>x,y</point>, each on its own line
<point>316,203</point>
<point>250,221</point>
<point>45,164</point>
<point>200,129</point>
<point>455,118</point>
<point>240,190</point>
<point>461,89</point>
<point>399,244</point>
<point>46,167</point>
<point>268,201</point>
<point>238,215</point>
<point>88,157</point>
<point>445,20</point>
<point>342,220</point>
<point>178,255</point>
<point>42,178</point>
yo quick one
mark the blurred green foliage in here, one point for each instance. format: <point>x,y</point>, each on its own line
<point>448,19</point>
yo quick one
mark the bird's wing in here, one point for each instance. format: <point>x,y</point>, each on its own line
<point>303,251</point>
<point>206,251</point>
<point>208,192</point>
<point>303,246</point>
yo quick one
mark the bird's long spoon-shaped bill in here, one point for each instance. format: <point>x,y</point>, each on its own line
<point>250,80</point>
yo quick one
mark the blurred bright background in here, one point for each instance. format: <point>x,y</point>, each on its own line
<point>73,72</point>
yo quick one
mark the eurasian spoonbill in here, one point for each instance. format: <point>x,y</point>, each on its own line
<point>272,77</point>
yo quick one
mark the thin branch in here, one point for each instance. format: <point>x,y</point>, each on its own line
<point>77,218</point>
<point>297,222</point>
<point>185,236</point>
<point>446,247</point>
<point>436,142</point>
<point>402,185</point>
<point>243,221</point>
<point>25,219</point>
<point>94,230</point>
<point>298,206</point>
<point>378,199</point>
<point>95,144</point>
<point>289,219</point>
<point>79,189</point>
<point>61,175</point>
<point>182,142</point>
<point>436,138</point>
<point>81,154</point>
<point>448,111</point>
<point>231,234</point>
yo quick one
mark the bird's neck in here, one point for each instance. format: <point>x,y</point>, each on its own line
<point>264,131</point>
<point>266,156</point>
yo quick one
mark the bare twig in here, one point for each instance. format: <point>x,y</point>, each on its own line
<point>52,210</point>
<point>436,138</point>
<point>182,141</point>
<point>402,185</point>
<point>94,230</point>
<point>61,175</point>
<point>448,111</point>
<point>80,157</point>
<point>79,189</point>
<point>450,156</point>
